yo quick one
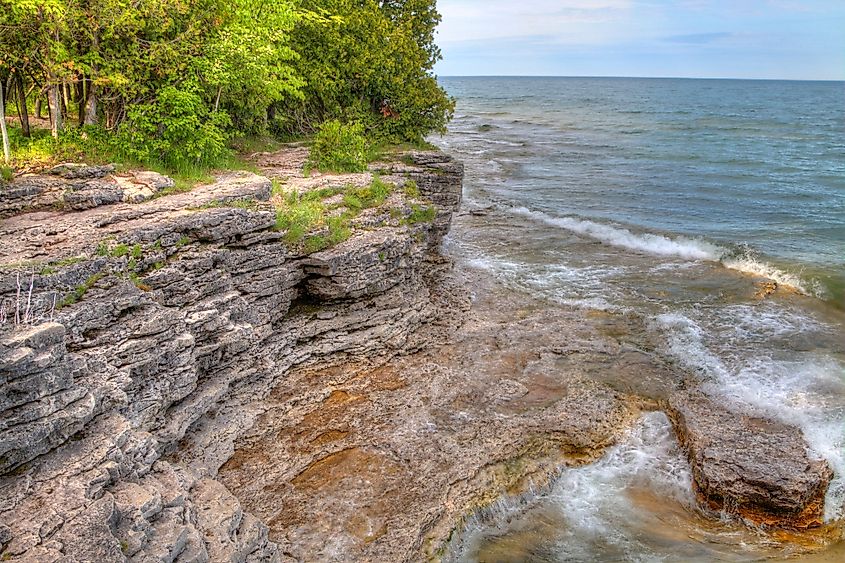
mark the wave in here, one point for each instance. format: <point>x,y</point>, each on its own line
<point>804,391</point>
<point>740,258</point>
<point>660,245</point>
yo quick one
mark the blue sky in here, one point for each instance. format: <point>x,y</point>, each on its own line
<point>789,39</point>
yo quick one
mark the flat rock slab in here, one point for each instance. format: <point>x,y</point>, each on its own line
<point>755,468</point>
<point>51,235</point>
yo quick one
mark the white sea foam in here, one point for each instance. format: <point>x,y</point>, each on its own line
<point>593,502</point>
<point>807,391</point>
<point>748,263</point>
<point>661,245</point>
<point>584,287</point>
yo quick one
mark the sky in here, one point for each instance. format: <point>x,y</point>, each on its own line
<point>771,39</point>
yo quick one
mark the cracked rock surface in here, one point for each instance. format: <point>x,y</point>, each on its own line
<point>139,339</point>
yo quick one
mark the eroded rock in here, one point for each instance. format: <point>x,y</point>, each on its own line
<point>752,467</point>
<point>177,317</point>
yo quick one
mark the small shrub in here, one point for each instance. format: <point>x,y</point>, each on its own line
<point>421,214</point>
<point>176,129</point>
<point>339,147</point>
<point>411,189</point>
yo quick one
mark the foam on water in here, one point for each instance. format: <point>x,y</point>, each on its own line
<point>593,501</point>
<point>584,287</point>
<point>807,390</point>
<point>621,237</point>
<point>744,260</point>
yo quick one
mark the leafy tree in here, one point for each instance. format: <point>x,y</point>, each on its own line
<point>371,63</point>
<point>174,80</point>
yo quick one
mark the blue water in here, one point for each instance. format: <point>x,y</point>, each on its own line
<point>677,202</point>
<point>755,165</point>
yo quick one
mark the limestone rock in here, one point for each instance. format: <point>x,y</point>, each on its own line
<point>180,315</point>
<point>76,171</point>
<point>756,468</point>
<point>72,186</point>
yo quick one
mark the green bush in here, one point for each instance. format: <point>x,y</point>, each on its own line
<point>339,147</point>
<point>177,129</point>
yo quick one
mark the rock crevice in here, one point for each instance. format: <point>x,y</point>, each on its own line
<point>138,340</point>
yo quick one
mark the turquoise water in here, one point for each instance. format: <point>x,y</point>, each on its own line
<point>676,202</point>
<point>756,168</point>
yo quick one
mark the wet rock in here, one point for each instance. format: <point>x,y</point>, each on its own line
<point>752,467</point>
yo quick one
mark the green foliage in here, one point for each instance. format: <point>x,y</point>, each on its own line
<point>6,174</point>
<point>421,214</point>
<point>371,63</point>
<point>79,291</point>
<point>411,189</point>
<point>339,148</point>
<point>174,83</point>
<point>301,215</point>
<point>176,129</point>
<point>298,217</point>
<point>337,231</point>
<point>365,197</point>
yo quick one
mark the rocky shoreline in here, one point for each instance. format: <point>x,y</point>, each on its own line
<point>180,385</point>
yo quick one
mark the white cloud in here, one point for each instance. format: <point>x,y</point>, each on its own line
<point>568,21</point>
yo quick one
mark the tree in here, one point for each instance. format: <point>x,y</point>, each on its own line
<point>5,134</point>
<point>373,63</point>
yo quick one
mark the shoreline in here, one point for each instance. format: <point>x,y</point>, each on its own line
<point>360,393</point>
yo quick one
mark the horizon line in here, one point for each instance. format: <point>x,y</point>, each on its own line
<point>640,77</point>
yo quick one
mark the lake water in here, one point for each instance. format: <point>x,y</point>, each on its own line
<point>676,201</point>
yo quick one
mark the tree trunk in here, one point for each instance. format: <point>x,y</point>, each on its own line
<point>23,111</point>
<point>55,110</point>
<point>91,101</point>
<point>91,106</point>
<point>7,153</point>
<point>38,105</point>
<point>80,100</point>
<point>64,95</point>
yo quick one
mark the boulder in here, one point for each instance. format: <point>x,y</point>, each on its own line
<point>748,466</point>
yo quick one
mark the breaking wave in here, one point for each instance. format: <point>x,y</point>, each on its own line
<point>742,259</point>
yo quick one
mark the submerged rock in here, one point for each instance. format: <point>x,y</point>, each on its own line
<point>751,467</point>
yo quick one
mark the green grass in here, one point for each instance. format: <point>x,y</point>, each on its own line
<point>53,267</point>
<point>299,218</point>
<point>420,214</point>
<point>299,215</point>
<point>95,146</point>
<point>79,291</point>
<point>411,189</point>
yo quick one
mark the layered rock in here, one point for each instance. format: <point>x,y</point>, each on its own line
<point>752,467</point>
<point>138,340</point>
<point>79,186</point>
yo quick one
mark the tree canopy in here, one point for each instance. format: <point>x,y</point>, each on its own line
<point>176,79</point>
